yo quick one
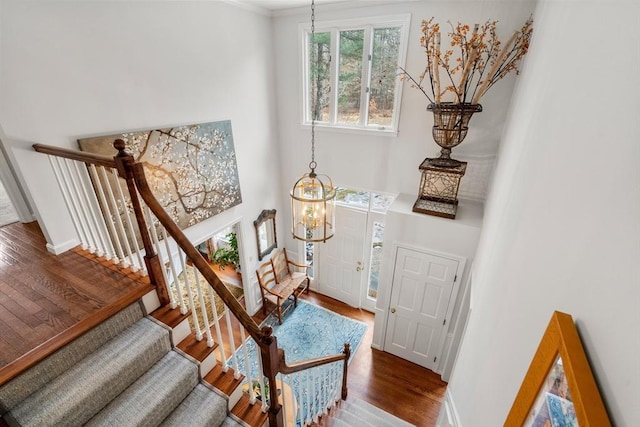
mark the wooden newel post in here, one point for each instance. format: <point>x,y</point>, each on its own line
<point>124,162</point>
<point>270,365</point>
<point>347,353</point>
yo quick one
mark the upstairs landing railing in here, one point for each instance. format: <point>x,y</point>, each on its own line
<point>127,225</point>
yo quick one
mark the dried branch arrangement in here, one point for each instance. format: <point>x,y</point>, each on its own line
<point>482,60</point>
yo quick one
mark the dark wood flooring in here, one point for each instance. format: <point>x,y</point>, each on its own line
<point>42,296</point>
<point>398,386</point>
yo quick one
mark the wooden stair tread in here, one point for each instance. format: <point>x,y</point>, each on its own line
<point>171,317</point>
<point>128,272</point>
<point>31,358</point>
<point>199,350</point>
<point>250,414</point>
<point>223,381</point>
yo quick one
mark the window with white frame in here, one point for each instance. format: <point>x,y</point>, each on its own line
<point>350,72</point>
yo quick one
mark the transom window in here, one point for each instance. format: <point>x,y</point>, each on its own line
<point>350,72</point>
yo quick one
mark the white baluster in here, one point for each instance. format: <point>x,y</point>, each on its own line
<point>203,308</point>
<point>260,377</point>
<point>325,382</point>
<point>107,216</point>
<point>283,401</point>
<point>129,227</point>
<point>192,306</point>
<point>314,385</point>
<point>232,341</point>
<point>64,188</point>
<point>308,415</point>
<point>153,224</point>
<point>247,368</point>
<point>80,203</point>
<point>216,324</point>
<point>337,386</point>
<point>177,287</point>
<point>300,396</point>
<point>73,193</point>
<point>120,232</point>
<point>89,204</point>
<point>82,211</point>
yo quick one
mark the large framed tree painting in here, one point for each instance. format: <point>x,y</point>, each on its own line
<point>191,169</point>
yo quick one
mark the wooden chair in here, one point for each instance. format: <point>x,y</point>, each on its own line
<point>278,282</point>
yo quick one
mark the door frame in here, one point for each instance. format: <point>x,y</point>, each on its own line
<point>462,261</point>
<point>367,303</point>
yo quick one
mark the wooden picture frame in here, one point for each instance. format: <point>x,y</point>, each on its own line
<point>266,237</point>
<point>560,382</point>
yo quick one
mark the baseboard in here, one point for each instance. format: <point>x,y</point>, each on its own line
<point>62,247</point>
<point>448,416</point>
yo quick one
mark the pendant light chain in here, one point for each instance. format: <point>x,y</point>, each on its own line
<point>313,163</point>
<point>312,197</point>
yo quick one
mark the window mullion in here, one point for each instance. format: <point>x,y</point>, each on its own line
<point>335,63</point>
<point>365,91</point>
<point>306,84</point>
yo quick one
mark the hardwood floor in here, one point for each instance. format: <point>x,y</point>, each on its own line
<point>42,295</point>
<point>400,387</point>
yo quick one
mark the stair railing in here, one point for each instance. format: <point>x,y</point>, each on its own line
<point>104,224</point>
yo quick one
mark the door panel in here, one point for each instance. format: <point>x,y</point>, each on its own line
<point>341,257</point>
<point>421,290</point>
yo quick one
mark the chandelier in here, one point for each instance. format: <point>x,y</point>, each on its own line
<point>312,196</point>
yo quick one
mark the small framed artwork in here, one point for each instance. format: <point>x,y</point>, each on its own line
<point>559,389</point>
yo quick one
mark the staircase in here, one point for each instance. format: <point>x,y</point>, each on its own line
<point>124,372</point>
<point>357,412</point>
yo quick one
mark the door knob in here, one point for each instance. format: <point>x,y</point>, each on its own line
<point>359,266</point>
<point>393,310</point>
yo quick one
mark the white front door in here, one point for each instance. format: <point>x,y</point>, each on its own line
<point>421,291</point>
<point>341,258</point>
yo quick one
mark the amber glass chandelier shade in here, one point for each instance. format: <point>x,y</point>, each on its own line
<point>312,208</point>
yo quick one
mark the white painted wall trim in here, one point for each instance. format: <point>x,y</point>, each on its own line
<point>448,416</point>
<point>452,347</point>
<point>62,247</point>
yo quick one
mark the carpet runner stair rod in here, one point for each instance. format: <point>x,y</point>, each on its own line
<point>118,220</point>
<point>122,372</point>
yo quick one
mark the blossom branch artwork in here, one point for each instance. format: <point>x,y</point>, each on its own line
<point>473,62</point>
<point>191,169</point>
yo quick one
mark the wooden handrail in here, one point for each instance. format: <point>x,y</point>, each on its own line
<point>309,363</point>
<point>319,361</point>
<point>273,358</point>
<point>95,159</point>
<point>192,253</point>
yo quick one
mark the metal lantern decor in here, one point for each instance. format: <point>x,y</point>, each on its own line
<point>439,188</point>
<point>312,208</point>
<point>312,197</point>
<point>481,61</point>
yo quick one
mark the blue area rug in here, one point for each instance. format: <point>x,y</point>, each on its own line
<point>307,331</point>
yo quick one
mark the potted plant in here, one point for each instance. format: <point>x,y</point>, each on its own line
<point>228,255</point>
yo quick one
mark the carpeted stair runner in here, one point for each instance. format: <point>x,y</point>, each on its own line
<point>357,412</point>
<point>123,372</point>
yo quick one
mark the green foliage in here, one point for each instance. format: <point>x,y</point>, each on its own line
<point>224,256</point>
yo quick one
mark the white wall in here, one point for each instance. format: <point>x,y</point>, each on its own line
<point>388,163</point>
<point>74,69</point>
<point>562,224</point>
